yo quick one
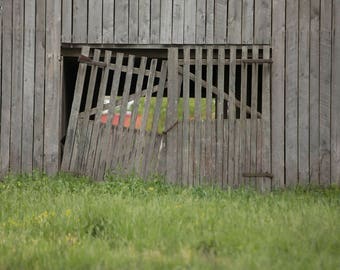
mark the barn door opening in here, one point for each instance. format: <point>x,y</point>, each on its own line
<point>219,116</point>
<point>117,120</point>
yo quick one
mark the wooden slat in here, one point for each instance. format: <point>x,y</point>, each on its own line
<point>292,93</point>
<point>172,113</point>
<point>236,181</point>
<point>235,22</point>
<point>220,116</point>
<point>191,175</point>
<point>254,109</point>
<point>304,61</point>
<point>108,21</point>
<point>210,21</point>
<point>225,159</point>
<point>79,26</point>
<point>335,136</point>
<point>6,86</point>
<point>186,115</point>
<point>121,21</point>
<point>141,139</point>
<point>144,21</point>
<point>221,21</point>
<point>314,88</point>
<point>325,91</point>
<point>262,27</point>
<point>66,21</point>
<point>155,121</point>
<point>17,85</point>
<point>178,22</point>
<point>278,93</point>
<point>155,21</point>
<point>259,151</point>
<point>133,21</point>
<point>78,92</point>
<point>201,22</point>
<point>166,22</point>
<point>203,162</point>
<point>232,117</point>
<point>247,21</point>
<point>28,87</point>
<point>95,21</point>
<point>247,167</point>
<point>198,97</point>
<point>266,98</point>
<point>190,22</point>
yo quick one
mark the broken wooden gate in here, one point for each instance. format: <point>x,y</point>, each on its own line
<point>216,127</point>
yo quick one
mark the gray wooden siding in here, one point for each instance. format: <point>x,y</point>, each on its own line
<point>166,21</point>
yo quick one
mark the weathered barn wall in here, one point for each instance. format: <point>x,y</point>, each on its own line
<point>166,21</point>
<point>30,78</point>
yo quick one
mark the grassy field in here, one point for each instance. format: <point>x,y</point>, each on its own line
<point>71,223</point>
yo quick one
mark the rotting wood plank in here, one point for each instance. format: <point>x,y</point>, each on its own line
<point>247,21</point>
<point>144,21</point>
<point>108,20</point>
<point>190,22</point>
<point>221,11</point>
<point>232,118</point>
<point>178,22</point>
<point>133,21</point>
<point>262,22</point>
<point>335,135</point>
<point>172,114</point>
<point>235,22</point>
<point>314,89</point>
<point>28,87</point>
<point>155,21</point>
<point>201,22</point>
<point>219,115</point>
<point>325,91</point>
<point>17,85</point>
<point>79,25</point>
<point>304,98</point>
<point>210,21</point>
<point>6,86</point>
<point>66,19</point>
<point>166,22</point>
<point>39,91</point>
<point>278,93</point>
<point>292,93</point>
<point>78,92</point>
<point>95,21</point>
<point>121,21</point>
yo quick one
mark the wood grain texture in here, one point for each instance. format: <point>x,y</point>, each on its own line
<point>247,21</point>
<point>201,21</point>
<point>121,21</point>
<point>221,11</point>
<point>166,22</point>
<point>133,21</point>
<point>95,21</point>
<point>66,35</point>
<point>178,22</point>
<point>190,22</point>
<point>210,16</point>
<point>262,25</point>
<point>79,34</point>
<point>108,20</point>
<point>144,21</point>
<point>235,22</point>
<point>155,21</point>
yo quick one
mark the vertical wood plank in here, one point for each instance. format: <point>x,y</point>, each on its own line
<point>235,22</point>
<point>178,22</point>
<point>133,21</point>
<point>221,11</point>
<point>226,181</point>
<point>210,21</point>
<point>28,87</point>
<point>247,21</point>
<point>201,21</point>
<point>335,139</point>
<point>166,22</point>
<point>108,20</point>
<point>314,106</point>
<point>52,86</point>
<point>171,117</point>
<point>79,34</point>
<point>325,91</point>
<point>95,21</point>
<point>262,27</point>
<point>17,86</point>
<point>190,22</point>
<point>66,21</point>
<point>236,181</point>
<point>121,21</point>
<point>304,61</point>
<point>278,93</point>
<point>144,21</point>
<point>155,21</point>
<point>6,86</point>
<point>292,43</point>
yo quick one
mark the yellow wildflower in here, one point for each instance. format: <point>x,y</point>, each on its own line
<point>68,212</point>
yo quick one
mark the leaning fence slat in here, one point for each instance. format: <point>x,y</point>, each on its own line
<point>108,20</point>
<point>95,21</point>
<point>79,25</point>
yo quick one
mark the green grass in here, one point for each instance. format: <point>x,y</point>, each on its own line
<point>71,223</point>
